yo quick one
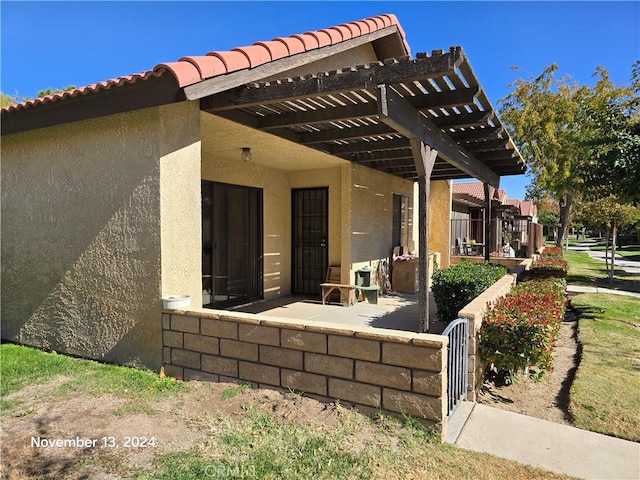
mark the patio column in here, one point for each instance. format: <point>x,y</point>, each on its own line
<point>424,158</point>
<point>487,222</point>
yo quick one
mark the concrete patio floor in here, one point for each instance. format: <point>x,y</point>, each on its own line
<point>393,311</point>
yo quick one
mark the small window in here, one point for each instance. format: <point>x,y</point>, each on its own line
<point>400,231</point>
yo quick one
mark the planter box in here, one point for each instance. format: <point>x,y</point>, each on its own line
<point>405,276</point>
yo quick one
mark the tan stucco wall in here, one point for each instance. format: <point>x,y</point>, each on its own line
<point>276,185</point>
<point>180,201</point>
<point>277,212</point>
<point>440,220</point>
<point>81,233</point>
<point>371,205</point>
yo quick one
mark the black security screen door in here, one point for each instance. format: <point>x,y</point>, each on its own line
<point>232,270</point>
<point>310,237</point>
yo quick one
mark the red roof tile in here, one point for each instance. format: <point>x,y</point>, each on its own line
<point>515,202</point>
<point>309,41</point>
<point>208,66</point>
<point>96,87</point>
<point>322,37</point>
<point>256,54</point>
<point>528,208</point>
<point>295,44</point>
<point>334,34</point>
<point>193,69</point>
<point>276,49</point>
<point>474,189</point>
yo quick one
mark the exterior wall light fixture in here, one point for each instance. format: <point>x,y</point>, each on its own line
<point>246,154</point>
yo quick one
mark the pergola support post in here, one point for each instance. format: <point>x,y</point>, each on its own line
<point>487,222</point>
<point>424,157</point>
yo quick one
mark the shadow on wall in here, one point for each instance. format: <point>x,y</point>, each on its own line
<point>81,238</point>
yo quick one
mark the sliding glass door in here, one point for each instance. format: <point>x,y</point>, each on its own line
<point>232,250</point>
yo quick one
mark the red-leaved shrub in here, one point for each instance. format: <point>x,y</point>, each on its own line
<point>519,332</point>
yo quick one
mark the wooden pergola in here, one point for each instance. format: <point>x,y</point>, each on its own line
<point>422,119</point>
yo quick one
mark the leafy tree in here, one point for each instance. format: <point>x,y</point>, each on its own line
<point>51,91</point>
<point>613,124</point>
<point>548,219</point>
<point>544,116</point>
<point>577,140</point>
<point>609,213</point>
<point>7,100</point>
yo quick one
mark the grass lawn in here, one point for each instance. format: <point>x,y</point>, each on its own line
<point>584,270</point>
<point>227,431</point>
<point>21,366</point>
<point>604,395</point>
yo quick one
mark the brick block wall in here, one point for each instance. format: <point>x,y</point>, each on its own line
<point>400,372</point>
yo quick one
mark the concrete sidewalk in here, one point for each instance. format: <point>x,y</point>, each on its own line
<point>581,289</point>
<point>551,446</point>
<point>629,266</point>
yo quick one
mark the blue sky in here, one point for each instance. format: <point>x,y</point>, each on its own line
<point>55,44</point>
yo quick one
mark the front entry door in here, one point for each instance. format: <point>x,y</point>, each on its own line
<point>310,239</point>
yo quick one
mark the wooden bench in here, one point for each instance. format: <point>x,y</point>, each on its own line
<point>347,292</point>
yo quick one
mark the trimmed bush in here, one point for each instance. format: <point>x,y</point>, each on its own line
<point>518,333</point>
<point>455,286</point>
<point>547,268</point>
<point>551,252</point>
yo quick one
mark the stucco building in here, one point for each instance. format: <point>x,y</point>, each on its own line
<point>232,176</point>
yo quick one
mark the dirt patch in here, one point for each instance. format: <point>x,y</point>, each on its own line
<point>184,421</point>
<point>111,437</point>
<point>549,398</point>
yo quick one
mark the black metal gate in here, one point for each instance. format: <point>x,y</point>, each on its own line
<point>457,362</point>
<point>310,239</point>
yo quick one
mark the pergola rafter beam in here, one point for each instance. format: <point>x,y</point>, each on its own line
<point>351,133</point>
<point>396,112</point>
<point>339,81</point>
<point>370,146</point>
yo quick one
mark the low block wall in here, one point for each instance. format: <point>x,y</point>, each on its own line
<point>396,371</point>
<point>475,311</point>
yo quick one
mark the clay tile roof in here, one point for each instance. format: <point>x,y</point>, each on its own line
<point>473,189</point>
<point>294,45</point>
<point>208,66</point>
<point>322,37</point>
<point>256,54</point>
<point>276,49</point>
<point>193,69</point>
<point>515,202</point>
<point>334,34</point>
<point>233,60</point>
<point>96,87</point>
<point>528,208</point>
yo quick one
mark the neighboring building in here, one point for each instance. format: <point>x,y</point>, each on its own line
<point>210,177</point>
<point>526,217</point>
<point>510,222</point>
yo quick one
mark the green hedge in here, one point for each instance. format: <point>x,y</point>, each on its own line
<point>547,268</point>
<point>455,286</point>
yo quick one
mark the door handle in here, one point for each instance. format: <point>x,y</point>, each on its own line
<point>323,243</point>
